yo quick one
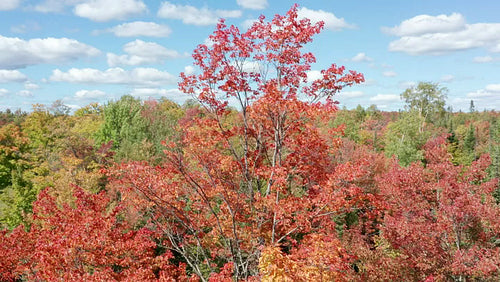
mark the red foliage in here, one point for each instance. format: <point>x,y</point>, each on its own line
<point>442,218</point>
<point>235,183</point>
<point>82,242</point>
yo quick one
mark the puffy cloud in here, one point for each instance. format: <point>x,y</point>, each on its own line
<point>25,93</point>
<point>140,52</point>
<point>189,70</point>
<point>427,35</point>
<point>389,74</point>
<point>106,10</point>
<point>252,4</point>
<point>313,75</point>
<point>486,98</point>
<point>385,98</point>
<point>6,5</point>
<point>369,82</point>
<point>248,23</point>
<point>138,28</point>
<point>361,57</point>
<point>192,15</point>
<point>406,84</point>
<point>485,59</point>
<point>7,76</point>
<point>424,24</point>
<point>23,28</point>
<point>137,76</point>
<point>31,86</point>
<point>171,94</point>
<point>447,78</point>
<point>18,53</point>
<point>350,94</point>
<point>481,93</point>
<point>3,92</point>
<point>490,91</point>
<point>89,94</point>
<point>54,6</point>
<point>330,20</point>
<point>493,87</point>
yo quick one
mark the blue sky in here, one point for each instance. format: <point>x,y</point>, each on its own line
<point>83,51</point>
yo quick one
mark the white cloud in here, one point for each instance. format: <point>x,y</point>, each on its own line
<point>424,24</point>
<point>493,87</point>
<point>192,15</point>
<point>28,85</point>
<point>248,23</point>
<point>447,78</point>
<point>406,84</point>
<point>313,75</point>
<point>369,82</point>
<point>6,5</point>
<point>252,4</point>
<point>485,59</point>
<point>361,57</point>
<point>25,93</point>
<point>18,53</point>
<point>7,76</point>
<point>138,28</point>
<point>106,10</point>
<point>137,76</point>
<point>171,94</point>
<point>55,6</point>
<point>140,52</point>
<point>481,93</point>
<point>389,74</point>
<point>350,94</point>
<point>330,20</point>
<point>208,42</point>
<point>3,92</point>
<point>189,70</point>
<point>490,91</point>
<point>89,94</point>
<point>427,35</point>
<point>486,98</point>
<point>26,27</point>
<point>385,98</point>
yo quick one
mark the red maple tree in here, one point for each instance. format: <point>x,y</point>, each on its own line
<point>239,181</point>
<point>442,219</point>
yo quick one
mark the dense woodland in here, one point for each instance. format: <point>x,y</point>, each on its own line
<point>259,177</point>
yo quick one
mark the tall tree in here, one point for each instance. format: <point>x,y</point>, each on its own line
<point>236,183</point>
<point>426,98</point>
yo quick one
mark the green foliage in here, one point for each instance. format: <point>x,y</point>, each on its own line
<point>494,151</point>
<point>404,138</point>
<point>426,98</point>
<point>351,121</point>
<point>124,125</point>
<point>136,128</point>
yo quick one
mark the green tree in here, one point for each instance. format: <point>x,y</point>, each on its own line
<point>404,138</point>
<point>125,127</point>
<point>427,99</point>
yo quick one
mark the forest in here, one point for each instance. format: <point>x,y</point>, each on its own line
<point>259,177</point>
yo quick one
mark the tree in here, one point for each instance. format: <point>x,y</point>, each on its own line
<point>85,240</point>
<point>442,219</point>
<point>404,138</point>
<point>235,183</point>
<point>137,127</point>
<point>427,99</point>
<point>472,108</point>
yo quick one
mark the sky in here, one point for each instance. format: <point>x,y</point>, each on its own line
<point>84,51</point>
